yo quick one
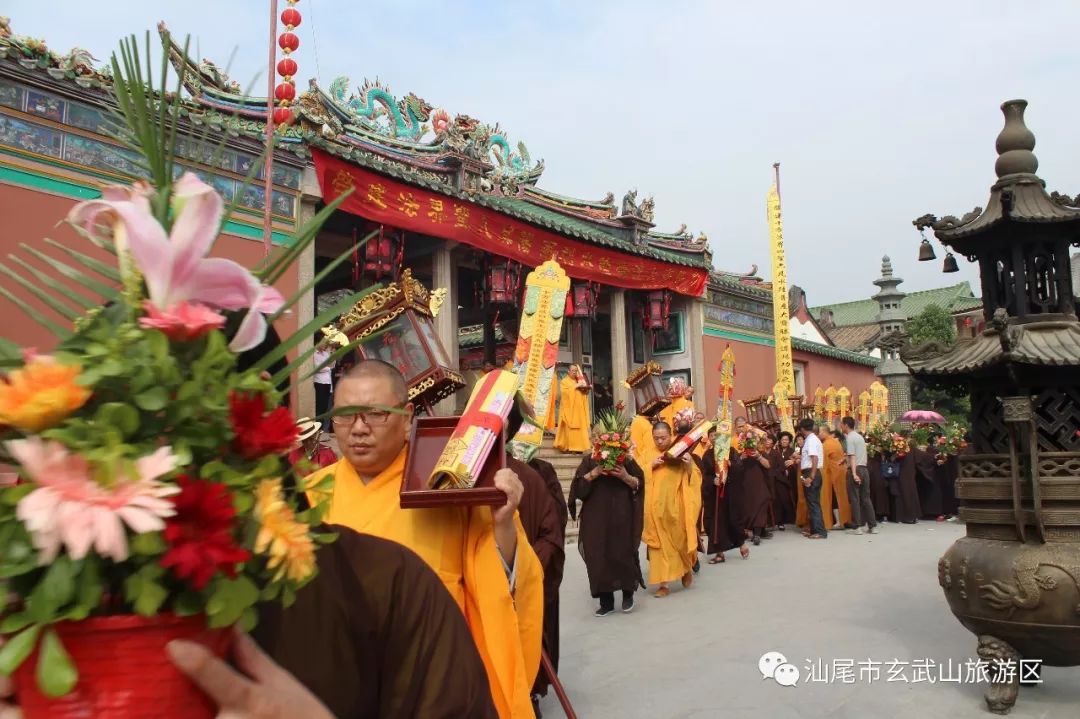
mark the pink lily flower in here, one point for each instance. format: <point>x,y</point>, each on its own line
<point>184,321</point>
<point>69,509</point>
<point>175,266</point>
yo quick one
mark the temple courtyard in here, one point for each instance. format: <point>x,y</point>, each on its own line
<point>847,601</point>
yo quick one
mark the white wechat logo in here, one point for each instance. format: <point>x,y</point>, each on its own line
<point>769,662</point>
<point>774,665</point>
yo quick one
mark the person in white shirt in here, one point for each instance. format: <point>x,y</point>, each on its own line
<point>813,457</point>
<point>323,384</point>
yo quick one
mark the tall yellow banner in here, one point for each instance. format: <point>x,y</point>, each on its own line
<point>785,371</point>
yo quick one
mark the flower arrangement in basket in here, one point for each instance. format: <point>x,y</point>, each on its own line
<point>611,445</point>
<point>150,505</point>
<point>951,442</point>
<point>882,441</point>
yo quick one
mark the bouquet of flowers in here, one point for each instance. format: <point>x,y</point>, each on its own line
<point>879,440</point>
<point>882,441</point>
<point>151,466</point>
<point>611,445</point>
<point>952,442</point>
<point>746,443</point>
<point>923,434</point>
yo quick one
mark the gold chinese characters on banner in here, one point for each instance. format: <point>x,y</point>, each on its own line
<point>785,371</point>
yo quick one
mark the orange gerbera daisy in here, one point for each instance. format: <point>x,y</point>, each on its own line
<point>41,394</point>
<point>283,539</point>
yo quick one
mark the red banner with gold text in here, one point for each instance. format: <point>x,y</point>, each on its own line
<point>390,202</point>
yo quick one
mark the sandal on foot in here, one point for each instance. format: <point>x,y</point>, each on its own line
<point>662,592</point>
<point>744,551</point>
<point>718,559</point>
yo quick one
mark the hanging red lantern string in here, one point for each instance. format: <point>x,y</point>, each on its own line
<point>355,260</point>
<point>285,92</point>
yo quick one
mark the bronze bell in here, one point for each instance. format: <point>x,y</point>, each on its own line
<point>950,264</point>
<point>926,251</point>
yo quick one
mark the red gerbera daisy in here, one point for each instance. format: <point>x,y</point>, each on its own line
<point>200,535</point>
<point>259,433</point>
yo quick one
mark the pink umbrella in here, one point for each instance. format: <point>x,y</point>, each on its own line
<point>923,416</point>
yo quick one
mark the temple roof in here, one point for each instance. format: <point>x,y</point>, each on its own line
<point>834,352</point>
<point>410,140</point>
<point>1041,343</point>
<point>954,298</point>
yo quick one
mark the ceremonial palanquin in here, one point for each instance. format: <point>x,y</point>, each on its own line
<point>394,324</point>
<point>538,350</point>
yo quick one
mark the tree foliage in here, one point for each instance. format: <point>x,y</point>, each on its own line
<point>935,324</point>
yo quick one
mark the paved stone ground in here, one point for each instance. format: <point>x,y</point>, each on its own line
<point>695,654</point>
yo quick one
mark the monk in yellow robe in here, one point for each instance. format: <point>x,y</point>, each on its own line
<point>640,437</point>
<point>572,434</point>
<point>672,507</point>
<point>480,553</point>
<point>681,398</point>
<point>834,475</point>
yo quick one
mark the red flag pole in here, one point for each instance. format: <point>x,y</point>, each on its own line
<point>268,167</point>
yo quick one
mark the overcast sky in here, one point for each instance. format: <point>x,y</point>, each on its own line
<point>877,112</point>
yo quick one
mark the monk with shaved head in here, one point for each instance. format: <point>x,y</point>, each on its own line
<point>481,554</point>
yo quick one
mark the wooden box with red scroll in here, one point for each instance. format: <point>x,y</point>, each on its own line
<point>427,440</point>
<point>395,324</point>
<point>647,384</point>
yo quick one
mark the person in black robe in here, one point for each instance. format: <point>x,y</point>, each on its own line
<point>375,635</point>
<point>724,534</point>
<point>543,527</point>
<point>879,488</point>
<point>946,472</point>
<point>904,493</point>
<point>553,570</point>
<point>543,517</point>
<point>784,463</point>
<point>930,499</point>
<point>609,533</point>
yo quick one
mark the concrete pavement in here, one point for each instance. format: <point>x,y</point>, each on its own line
<point>694,654</point>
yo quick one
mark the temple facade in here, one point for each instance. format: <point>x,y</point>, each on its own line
<point>447,196</point>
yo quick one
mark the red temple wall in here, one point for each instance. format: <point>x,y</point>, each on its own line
<point>755,371</point>
<point>29,216</point>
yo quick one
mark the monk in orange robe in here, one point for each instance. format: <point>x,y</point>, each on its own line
<point>481,554</point>
<point>572,434</point>
<point>834,474</point>
<point>672,508</point>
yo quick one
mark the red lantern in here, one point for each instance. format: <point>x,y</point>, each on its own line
<point>501,283</point>
<point>282,116</point>
<point>288,42</point>
<point>285,92</point>
<point>290,18</point>
<point>581,301</point>
<point>382,256</point>
<point>287,67</point>
<point>656,310</point>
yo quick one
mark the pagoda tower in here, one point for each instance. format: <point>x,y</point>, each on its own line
<point>891,318</point>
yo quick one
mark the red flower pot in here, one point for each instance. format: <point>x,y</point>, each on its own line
<point>124,671</point>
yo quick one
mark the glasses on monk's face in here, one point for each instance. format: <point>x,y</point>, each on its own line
<point>370,417</point>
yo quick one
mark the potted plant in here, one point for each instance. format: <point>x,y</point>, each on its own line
<point>150,505</point>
